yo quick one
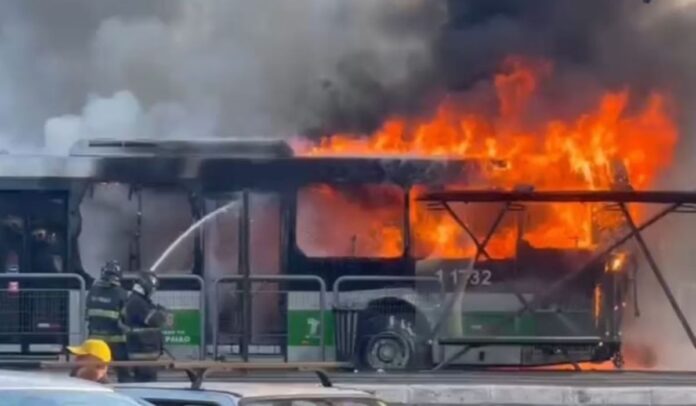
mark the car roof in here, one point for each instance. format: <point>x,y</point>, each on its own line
<point>14,380</point>
<point>258,390</point>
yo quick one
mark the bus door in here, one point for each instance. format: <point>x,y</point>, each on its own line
<point>245,238</point>
<point>35,312</point>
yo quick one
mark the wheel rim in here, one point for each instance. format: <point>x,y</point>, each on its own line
<point>388,351</point>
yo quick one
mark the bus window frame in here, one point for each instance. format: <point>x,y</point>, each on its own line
<point>25,204</point>
<point>86,191</point>
<point>404,192</point>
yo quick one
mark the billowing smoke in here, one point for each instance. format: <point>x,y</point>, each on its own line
<point>594,45</point>
<point>209,68</point>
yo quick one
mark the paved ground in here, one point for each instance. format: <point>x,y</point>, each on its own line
<point>623,378</point>
<point>500,388</point>
<point>511,388</point>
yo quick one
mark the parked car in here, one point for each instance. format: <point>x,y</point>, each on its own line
<point>246,394</point>
<point>19,388</point>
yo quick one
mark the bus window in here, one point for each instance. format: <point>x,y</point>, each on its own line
<point>33,227</point>
<point>108,216</point>
<point>112,228</point>
<point>221,258</point>
<point>221,236</point>
<point>268,325</point>
<point>264,229</point>
<point>166,215</point>
<point>47,237</point>
<point>221,240</point>
<point>363,221</point>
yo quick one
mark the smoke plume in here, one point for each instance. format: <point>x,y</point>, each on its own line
<point>208,68</point>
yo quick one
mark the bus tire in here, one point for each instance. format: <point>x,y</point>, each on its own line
<point>389,342</point>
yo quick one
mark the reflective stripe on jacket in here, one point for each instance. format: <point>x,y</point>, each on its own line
<point>105,303</point>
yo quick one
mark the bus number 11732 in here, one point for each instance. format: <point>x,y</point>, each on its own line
<point>476,277</point>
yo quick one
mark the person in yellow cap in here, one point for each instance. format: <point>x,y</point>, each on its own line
<point>95,356</point>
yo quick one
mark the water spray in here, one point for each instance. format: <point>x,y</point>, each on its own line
<point>195,226</point>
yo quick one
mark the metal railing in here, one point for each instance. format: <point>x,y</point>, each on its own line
<point>240,317</point>
<point>38,318</point>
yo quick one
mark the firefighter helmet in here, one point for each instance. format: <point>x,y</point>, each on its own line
<point>148,282</point>
<point>111,272</point>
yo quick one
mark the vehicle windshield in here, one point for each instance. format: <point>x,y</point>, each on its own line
<point>65,398</point>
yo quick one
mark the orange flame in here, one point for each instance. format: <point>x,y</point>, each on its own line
<point>580,153</point>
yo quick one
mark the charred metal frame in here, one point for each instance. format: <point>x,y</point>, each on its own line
<point>678,202</point>
<point>245,271</point>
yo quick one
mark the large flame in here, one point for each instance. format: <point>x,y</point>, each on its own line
<point>559,153</point>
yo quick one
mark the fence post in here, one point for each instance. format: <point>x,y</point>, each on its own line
<point>203,315</point>
<point>322,317</point>
<point>215,312</point>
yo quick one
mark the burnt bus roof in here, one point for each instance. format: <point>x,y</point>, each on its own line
<point>219,165</point>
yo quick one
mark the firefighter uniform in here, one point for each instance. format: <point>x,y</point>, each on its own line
<point>105,302</point>
<point>144,320</point>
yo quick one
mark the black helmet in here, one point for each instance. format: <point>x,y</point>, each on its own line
<point>111,272</point>
<point>148,281</point>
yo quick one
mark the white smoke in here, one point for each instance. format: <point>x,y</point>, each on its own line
<point>119,117</point>
<point>208,68</point>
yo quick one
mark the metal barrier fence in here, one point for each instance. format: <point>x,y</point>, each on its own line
<point>367,317</point>
<point>241,322</point>
<point>185,331</point>
<point>40,314</point>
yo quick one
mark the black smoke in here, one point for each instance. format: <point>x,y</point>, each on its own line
<point>594,45</point>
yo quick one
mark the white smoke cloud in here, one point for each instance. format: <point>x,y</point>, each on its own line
<point>220,68</point>
<point>115,117</point>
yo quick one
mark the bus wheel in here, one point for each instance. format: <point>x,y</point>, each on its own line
<point>390,343</point>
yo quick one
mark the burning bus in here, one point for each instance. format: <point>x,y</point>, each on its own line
<point>417,279</point>
<point>309,216</point>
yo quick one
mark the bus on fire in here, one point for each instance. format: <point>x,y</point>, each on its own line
<point>402,261</point>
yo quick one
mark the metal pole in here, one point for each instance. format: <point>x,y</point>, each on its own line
<point>202,316</point>
<point>660,278</point>
<point>322,316</point>
<point>215,319</point>
<point>244,269</point>
<point>407,222</point>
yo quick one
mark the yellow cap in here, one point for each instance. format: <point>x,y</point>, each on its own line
<point>96,348</point>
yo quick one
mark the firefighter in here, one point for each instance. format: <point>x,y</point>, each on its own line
<point>145,320</point>
<point>105,303</point>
